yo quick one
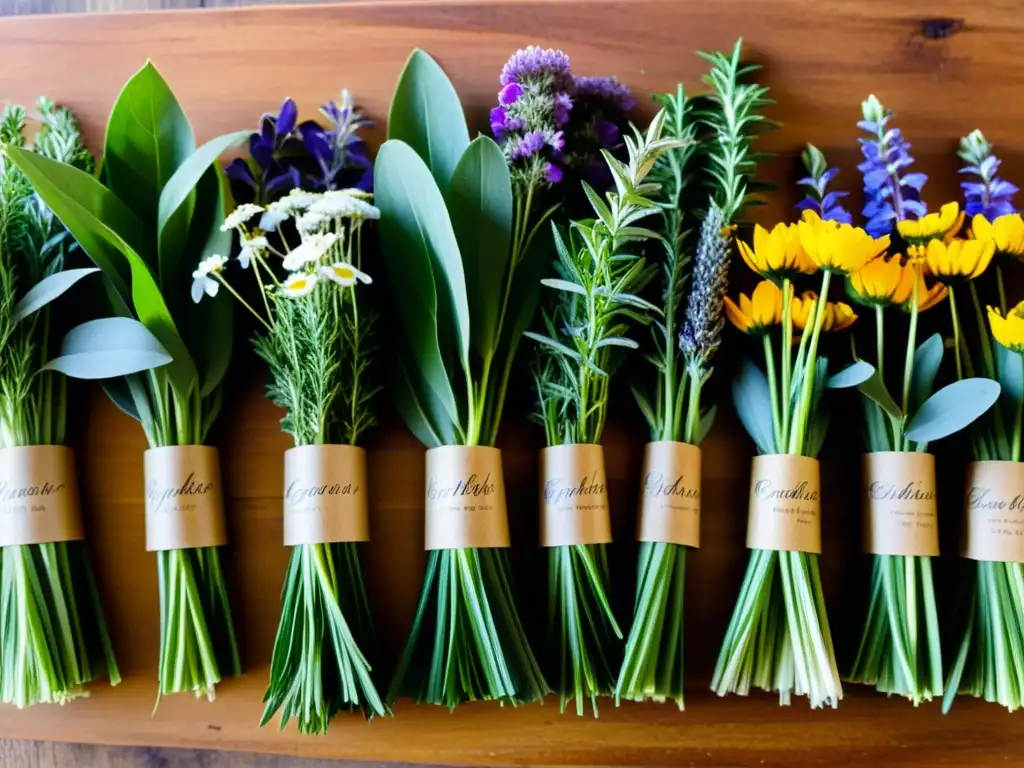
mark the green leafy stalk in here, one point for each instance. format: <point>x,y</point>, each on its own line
<point>53,636</point>
<point>455,243</point>
<point>597,296</point>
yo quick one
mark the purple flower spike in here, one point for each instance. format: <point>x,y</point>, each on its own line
<point>992,196</point>
<point>533,64</point>
<point>287,117</point>
<point>825,204</point>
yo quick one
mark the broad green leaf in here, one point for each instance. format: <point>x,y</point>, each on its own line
<point>148,137</point>
<point>874,388</point>
<point>1010,372</point>
<point>851,376</point>
<point>178,198</point>
<point>91,212</point>
<point>121,395</point>
<point>952,408</point>
<point>427,115</point>
<point>414,225</point>
<point>927,359</point>
<point>48,289</point>
<point>107,348</point>
<point>419,407</point>
<point>479,200</point>
<point>752,400</point>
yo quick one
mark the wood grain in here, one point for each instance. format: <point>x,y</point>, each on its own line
<point>228,66</point>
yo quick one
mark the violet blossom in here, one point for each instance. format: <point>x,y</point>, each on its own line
<point>824,203</point>
<point>600,113</point>
<point>992,196</point>
<point>889,197</point>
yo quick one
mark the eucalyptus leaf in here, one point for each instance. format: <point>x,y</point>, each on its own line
<point>414,224</point>
<point>874,388</point>
<point>148,137</point>
<point>479,200</point>
<point>1010,372</point>
<point>427,115</point>
<point>752,400</point>
<point>49,288</point>
<point>927,359</point>
<point>951,409</point>
<point>107,348</point>
<point>852,376</point>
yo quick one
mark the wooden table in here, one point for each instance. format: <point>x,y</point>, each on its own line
<point>943,74</point>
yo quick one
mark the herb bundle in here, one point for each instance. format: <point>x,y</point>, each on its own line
<point>315,337</point>
<point>989,662</point>
<point>160,203</point>
<point>596,294</point>
<point>456,239</point>
<point>686,338</point>
<point>53,636</point>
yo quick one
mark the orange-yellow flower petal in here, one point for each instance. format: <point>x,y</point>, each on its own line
<point>838,316</point>
<point>882,282</point>
<point>758,313</point>
<point>777,254</point>
<point>1007,232</point>
<point>958,259</point>
<point>840,248</point>
<point>1009,330</point>
<point>942,225</point>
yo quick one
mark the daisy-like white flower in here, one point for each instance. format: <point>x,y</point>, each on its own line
<point>295,201</point>
<point>298,284</point>
<point>310,222</point>
<point>345,275</point>
<point>202,282</point>
<point>250,247</point>
<point>240,216</point>
<point>311,249</point>
<point>342,203</point>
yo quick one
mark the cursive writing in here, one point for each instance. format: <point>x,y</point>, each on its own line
<point>557,489</point>
<point>912,491</point>
<point>764,490</point>
<point>156,495</point>
<point>470,486</point>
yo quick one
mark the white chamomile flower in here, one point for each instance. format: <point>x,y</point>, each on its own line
<point>201,280</point>
<point>310,222</point>
<point>343,204</point>
<point>300,199</point>
<point>298,284</point>
<point>274,215</point>
<point>240,216</point>
<point>345,275</point>
<point>311,249</point>
<point>250,247</point>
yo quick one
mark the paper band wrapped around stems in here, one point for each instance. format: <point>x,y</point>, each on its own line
<point>994,506</point>
<point>900,507</point>
<point>184,500</point>
<point>574,496</point>
<point>670,494</point>
<point>38,496</point>
<point>785,504</point>
<point>325,495</point>
<point>465,498</point>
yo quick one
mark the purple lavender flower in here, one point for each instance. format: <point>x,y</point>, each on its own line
<point>992,197</point>
<point>825,204</point>
<point>889,197</point>
<point>534,104</point>
<point>285,156</point>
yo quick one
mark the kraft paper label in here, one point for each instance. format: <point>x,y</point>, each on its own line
<point>184,499</point>
<point>994,506</point>
<point>325,495</point>
<point>785,504</point>
<point>670,494</point>
<point>465,498</point>
<point>900,507</point>
<point>574,496</point>
<point>38,496</point>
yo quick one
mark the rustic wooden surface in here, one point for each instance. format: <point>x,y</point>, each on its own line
<point>943,77</point>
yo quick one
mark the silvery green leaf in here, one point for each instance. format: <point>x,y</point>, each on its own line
<point>48,289</point>
<point>927,359</point>
<point>874,388</point>
<point>1010,372</point>
<point>563,285</point>
<point>853,375</point>
<point>617,341</point>
<point>107,348</point>
<point>952,408</point>
<point>556,345</point>
<point>752,400</point>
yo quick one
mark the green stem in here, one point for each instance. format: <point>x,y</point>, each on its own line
<point>810,367</point>
<point>787,358</point>
<point>769,362</point>
<point>956,333</point>
<point>1001,287</point>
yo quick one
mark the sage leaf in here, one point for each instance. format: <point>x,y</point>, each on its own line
<point>752,400</point>
<point>48,289</point>
<point>853,375</point>
<point>952,408</point>
<point>107,348</point>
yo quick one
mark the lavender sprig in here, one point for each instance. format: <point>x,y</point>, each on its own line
<point>889,197</point>
<point>824,203</point>
<point>702,330</point>
<point>992,196</point>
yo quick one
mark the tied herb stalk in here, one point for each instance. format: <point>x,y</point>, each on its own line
<point>456,238</point>
<point>315,339</point>
<point>989,661</point>
<point>684,346</point>
<point>779,637</point>
<point>597,293</point>
<point>53,636</point>
<point>158,205</point>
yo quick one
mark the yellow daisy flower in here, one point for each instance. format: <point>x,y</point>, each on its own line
<point>943,225</point>
<point>882,283</point>
<point>838,315</point>
<point>1009,330</point>
<point>958,259</point>
<point>1007,232</point>
<point>777,254</point>
<point>840,248</point>
<point>758,313</point>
